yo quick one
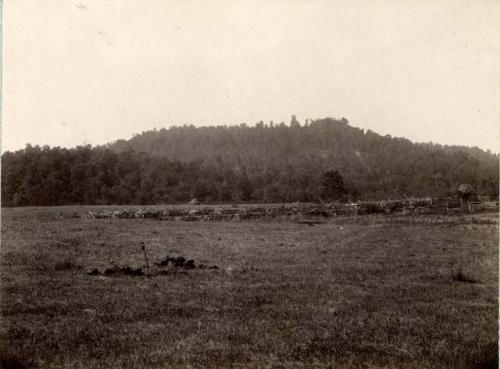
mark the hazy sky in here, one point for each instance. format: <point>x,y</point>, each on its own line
<point>93,71</point>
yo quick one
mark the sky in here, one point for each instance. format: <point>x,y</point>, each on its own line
<point>94,71</point>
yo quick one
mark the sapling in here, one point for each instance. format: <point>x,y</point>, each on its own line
<point>143,247</point>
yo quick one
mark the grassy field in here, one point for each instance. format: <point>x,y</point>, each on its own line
<point>363,292</point>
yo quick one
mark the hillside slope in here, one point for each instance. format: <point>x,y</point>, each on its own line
<point>377,166</point>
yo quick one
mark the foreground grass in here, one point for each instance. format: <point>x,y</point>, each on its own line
<point>347,294</point>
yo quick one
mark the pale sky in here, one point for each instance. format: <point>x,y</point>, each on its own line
<point>93,71</point>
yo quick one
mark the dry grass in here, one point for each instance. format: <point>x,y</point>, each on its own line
<point>351,293</point>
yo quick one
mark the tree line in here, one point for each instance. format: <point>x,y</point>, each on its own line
<point>85,175</point>
<point>320,160</point>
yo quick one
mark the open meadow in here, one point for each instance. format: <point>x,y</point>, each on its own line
<point>357,292</point>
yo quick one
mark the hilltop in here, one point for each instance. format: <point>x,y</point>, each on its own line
<point>377,166</point>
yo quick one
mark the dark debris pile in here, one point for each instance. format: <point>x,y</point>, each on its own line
<point>169,265</point>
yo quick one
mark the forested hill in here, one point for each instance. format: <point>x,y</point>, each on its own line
<point>325,159</point>
<point>377,166</point>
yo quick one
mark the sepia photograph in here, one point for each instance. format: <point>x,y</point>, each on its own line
<point>249,184</point>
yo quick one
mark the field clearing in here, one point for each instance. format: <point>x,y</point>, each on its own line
<point>360,292</point>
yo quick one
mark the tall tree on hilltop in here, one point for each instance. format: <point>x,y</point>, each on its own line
<point>294,123</point>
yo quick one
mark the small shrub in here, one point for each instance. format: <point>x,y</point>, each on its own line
<point>487,358</point>
<point>66,265</point>
<point>460,276</point>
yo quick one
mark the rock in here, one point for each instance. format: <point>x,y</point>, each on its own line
<point>166,261</point>
<point>179,262</point>
<point>189,264</point>
<point>133,272</point>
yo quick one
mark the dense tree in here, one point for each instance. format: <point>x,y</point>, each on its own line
<point>265,163</point>
<point>466,192</point>
<point>294,123</point>
<point>333,188</point>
